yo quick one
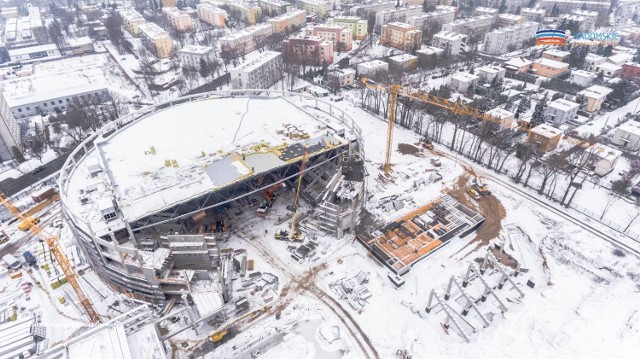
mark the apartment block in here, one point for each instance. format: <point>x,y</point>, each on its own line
<point>9,130</point>
<point>192,55</point>
<point>316,7</point>
<point>131,19</point>
<point>476,26</point>
<point>365,10</point>
<point>312,49</point>
<point>503,20</point>
<point>397,15</point>
<point>401,36</point>
<point>461,81</point>
<point>568,6</point>
<point>591,17</point>
<point>156,40</point>
<point>485,11</point>
<point>274,7</point>
<point>211,14</point>
<point>404,62</point>
<point>533,15</point>
<point>434,19</point>
<point>452,42</point>
<point>178,19</point>
<point>340,36</point>
<point>290,20</point>
<point>508,39</point>
<point>359,28</point>
<point>245,13</point>
<point>373,67</point>
<point>246,40</point>
<point>25,31</point>
<point>341,77</point>
<point>259,73</point>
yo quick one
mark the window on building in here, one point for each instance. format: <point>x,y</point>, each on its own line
<point>53,103</point>
<point>28,108</point>
<point>19,110</point>
<point>68,100</point>
<point>59,101</point>
<point>44,104</point>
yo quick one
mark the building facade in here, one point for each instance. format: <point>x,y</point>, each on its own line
<point>178,19</point>
<point>316,7</point>
<point>533,15</point>
<point>359,28</point>
<point>401,36</point>
<point>212,15</point>
<point>545,137</point>
<point>561,111</point>
<point>245,13</point>
<point>246,40</point>
<point>450,42</point>
<point>434,20</point>
<point>340,36</point>
<point>274,7</point>
<point>259,73</point>
<point>508,39</point>
<point>191,56</point>
<point>59,100</point>
<point>156,40</point>
<point>404,62</point>
<point>131,19</point>
<point>476,26</point>
<point>288,21</point>
<point>397,15</point>
<point>594,97</point>
<point>461,81</point>
<point>312,49</point>
<point>9,131</point>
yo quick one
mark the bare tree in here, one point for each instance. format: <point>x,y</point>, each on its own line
<point>619,188</point>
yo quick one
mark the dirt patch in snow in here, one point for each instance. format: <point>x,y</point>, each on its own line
<point>407,149</point>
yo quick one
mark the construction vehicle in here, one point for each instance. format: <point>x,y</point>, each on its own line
<point>478,188</point>
<point>426,143</point>
<point>3,237</point>
<point>56,249</point>
<point>270,196</point>
<point>224,332</point>
<point>282,235</point>
<point>473,193</point>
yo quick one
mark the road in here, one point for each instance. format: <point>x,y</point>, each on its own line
<point>11,186</point>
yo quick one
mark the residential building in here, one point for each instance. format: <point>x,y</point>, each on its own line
<point>245,40</point>
<point>518,65</point>
<point>192,55</point>
<point>601,159</point>
<point>503,20</point>
<point>358,26</point>
<point>313,48</point>
<point>490,73</point>
<point>317,7</point>
<point>168,3</point>
<point>533,15</point>
<point>9,130</point>
<point>79,46</point>
<point>627,136</point>
<point>34,53</point>
<point>25,30</point>
<point>476,26</point>
<point>582,77</point>
<point>246,13</point>
<point>591,62</point>
<point>451,42</point>
<point>341,78</point>
<point>373,67</point>
<point>274,7</point>
<point>556,55</point>
<point>290,20</point>
<point>403,62</point>
<point>131,19</point>
<point>426,53</point>
<point>340,36</point>
<point>433,21</point>
<point>545,137</point>
<point>630,71</point>
<point>609,69</point>
<point>590,19</point>
<point>461,81</point>
<point>401,36</point>
<point>34,103</point>
<point>397,15</point>
<point>178,19</point>
<point>156,40</point>
<point>503,117</point>
<point>365,10</point>
<point>485,11</point>
<point>595,96</point>
<point>212,14</point>
<point>549,68</point>
<point>581,21</point>
<point>620,58</point>
<point>508,39</point>
<point>560,111</point>
<point>259,73</point>
<point>568,6</point>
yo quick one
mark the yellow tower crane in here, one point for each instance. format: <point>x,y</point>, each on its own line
<point>61,258</point>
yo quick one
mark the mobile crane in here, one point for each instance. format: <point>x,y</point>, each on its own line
<point>61,258</point>
<point>296,234</point>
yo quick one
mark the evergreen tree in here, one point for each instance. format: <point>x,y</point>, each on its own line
<point>538,113</point>
<point>522,108</point>
<point>608,51</point>
<point>555,11</point>
<point>205,71</point>
<point>503,7</point>
<point>17,154</point>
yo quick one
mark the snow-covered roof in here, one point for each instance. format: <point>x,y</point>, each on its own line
<point>257,62</point>
<point>194,148</point>
<point>551,63</point>
<point>595,91</point>
<point>500,113</point>
<point>631,127</point>
<point>288,15</point>
<point>583,73</point>
<point>595,58</point>
<point>557,53</point>
<point>32,49</point>
<point>491,69</point>
<point>207,296</point>
<point>620,58</point>
<point>79,41</point>
<point>546,130</point>
<point>605,152</point>
<point>464,77</point>
<point>403,58</point>
<point>430,50</point>
<point>43,96</point>
<point>518,62</point>
<point>450,35</point>
<point>609,66</point>
<point>195,49</point>
<point>401,25</point>
<point>153,31</point>
<point>563,105</point>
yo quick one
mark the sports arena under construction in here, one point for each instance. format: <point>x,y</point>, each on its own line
<point>148,196</point>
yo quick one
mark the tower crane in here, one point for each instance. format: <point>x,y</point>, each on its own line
<point>296,235</point>
<point>456,108</point>
<point>61,258</point>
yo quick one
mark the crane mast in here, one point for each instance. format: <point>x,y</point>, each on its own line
<point>295,234</point>
<point>61,258</point>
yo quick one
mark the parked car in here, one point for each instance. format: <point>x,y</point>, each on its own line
<point>37,170</point>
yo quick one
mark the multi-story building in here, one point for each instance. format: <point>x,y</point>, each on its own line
<point>503,117</point>
<point>33,103</point>
<point>373,67</point>
<point>545,137</point>
<point>156,40</point>
<point>518,65</point>
<point>9,130</point>
<point>549,68</point>
<point>401,36</point>
<point>591,62</point>
<point>178,19</point>
<point>131,19</point>
<point>259,73</point>
<point>627,136</point>
<point>461,81</point>
<point>365,11</point>
<point>358,26</point>
<point>26,30</point>
<point>581,21</point>
<point>405,62</point>
<point>312,50</point>
<point>317,7</point>
<point>435,19</point>
<point>427,52</point>
<point>560,111</point>
<point>503,20</point>
<point>397,15</point>
<point>590,19</point>
<point>609,69</point>
<point>340,36</point>
<point>341,78</point>
<point>34,53</point>
<point>246,40</point>
<point>490,73</point>
<point>274,7</point>
<point>582,77</point>
<point>288,21</point>
<point>451,42</point>
<point>192,55</point>
<point>476,26</point>
<point>595,96</point>
<point>212,15</point>
<point>630,71</point>
<point>556,55</point>
<point>245,13</point>
<point>508,39</point>
<point>568,6</point>
<point>485,11</point>
<point>533,15</point>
